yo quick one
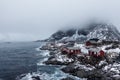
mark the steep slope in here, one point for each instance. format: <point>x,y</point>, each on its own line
<point>101,31</point>
<point>104,31</point>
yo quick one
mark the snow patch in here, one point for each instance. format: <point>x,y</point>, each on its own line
<point>63,58</point>
<point>85,67</point>
<point>115,67</point>
<point>82,47</point>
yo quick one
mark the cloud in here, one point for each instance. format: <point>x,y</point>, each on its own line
<point>38,19</point>
<point>3,37</point>
<point>17,37</point>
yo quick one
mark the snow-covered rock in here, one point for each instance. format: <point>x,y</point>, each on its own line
<point>101,31</point>
<point>85,67</point>
<point>104,32</point>
<point>116,50</point>
<point>82,47</point>
<point>102,63</point>
<point>113,70</point>
<point>115,67</point>
<point>63,58</point>
<point>59,59</point>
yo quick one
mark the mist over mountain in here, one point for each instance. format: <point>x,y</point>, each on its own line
<point>101,31</point>
<point>29,20</point>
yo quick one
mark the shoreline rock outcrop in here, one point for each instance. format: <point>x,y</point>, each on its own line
<point>84,66</point>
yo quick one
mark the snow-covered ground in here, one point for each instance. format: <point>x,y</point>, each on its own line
<point>108,68</point>
<point>85,50</point>
<point>113,69</point>
<point>82,47</point>
<point>116,50</point>
<point>62,58</point>
<point>85,67</point>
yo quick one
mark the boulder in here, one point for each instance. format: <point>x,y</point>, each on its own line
<point>69,69</point>
<point>68,78</point>
<point>36,78</point>
<point>55,62</point>
<point>81,73</point>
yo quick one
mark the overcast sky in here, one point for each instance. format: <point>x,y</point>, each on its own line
<point>26,20</point>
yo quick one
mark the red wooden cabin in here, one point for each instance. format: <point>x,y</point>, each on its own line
<point>71,50</point>
<point>88,43</point>
<point>93,41</point>
<point>96,53</point>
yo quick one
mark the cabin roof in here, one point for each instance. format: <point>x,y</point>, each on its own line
<point>95,49</point>
<point>94,39</point>
<point>73,48</point>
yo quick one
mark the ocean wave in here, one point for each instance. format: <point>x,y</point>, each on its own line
<point>45,55</point>
<point>58,75</point>
<point>40,62</point>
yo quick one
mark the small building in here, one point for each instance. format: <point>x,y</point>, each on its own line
<point>92,42</point>
<point>71,50</point>
<point>96,52</point>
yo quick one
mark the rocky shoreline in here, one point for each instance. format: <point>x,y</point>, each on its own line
<point>78,65</point>
<point>82,66</point>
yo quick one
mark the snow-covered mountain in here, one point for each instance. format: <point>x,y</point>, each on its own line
<point>101,31</point>
<point>104,31</point>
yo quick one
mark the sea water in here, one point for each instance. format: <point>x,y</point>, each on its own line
<point>17,58</point>
<point>24,59</point>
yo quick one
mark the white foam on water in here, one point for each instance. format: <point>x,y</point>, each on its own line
<point>38,49</point>
<point>27,77</point>
<point>45,55</point>
<point>41,62</point>
<point>58,75</point>
<point>76,78</point>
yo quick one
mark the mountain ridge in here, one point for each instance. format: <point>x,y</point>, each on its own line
<point>101,31</point>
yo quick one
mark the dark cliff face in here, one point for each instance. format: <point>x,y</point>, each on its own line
<point>93,30</point>
<point>60,34</point>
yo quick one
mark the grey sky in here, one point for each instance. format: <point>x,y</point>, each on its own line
<point>38,19</point>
